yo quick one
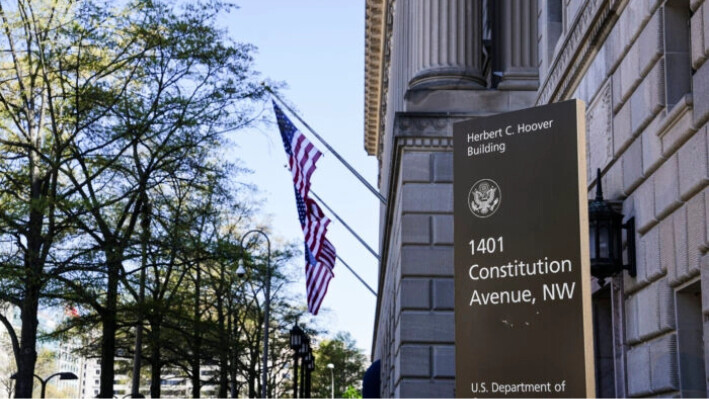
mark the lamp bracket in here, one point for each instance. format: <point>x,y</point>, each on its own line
<point>631,267</point>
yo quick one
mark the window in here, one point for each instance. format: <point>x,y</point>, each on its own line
<point>689,341</point>
<point>554,26</point>
<point>678,77</point>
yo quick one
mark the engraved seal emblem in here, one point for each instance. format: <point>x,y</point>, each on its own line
<point>484,198</point>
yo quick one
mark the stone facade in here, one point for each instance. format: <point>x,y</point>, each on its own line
<point>640,67</point>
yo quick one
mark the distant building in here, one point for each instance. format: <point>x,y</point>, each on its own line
<point>88,370</point>
<point>174,384</point>
<point>90,377</point>
<point>68,360</point>
<point>640,67</point>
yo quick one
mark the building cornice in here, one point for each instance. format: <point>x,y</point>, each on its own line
<point>374,69</point>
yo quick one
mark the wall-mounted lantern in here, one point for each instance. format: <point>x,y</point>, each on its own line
<point>606,238</point>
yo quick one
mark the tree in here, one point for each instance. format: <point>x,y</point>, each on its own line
<point>112,190</point>
<point>349,362</point>
<point>352,392</point>
<point>186,90</point>
<point>155,88</point>
<point>249,321</point>
<point>191,240</point>
<point>37,120</point>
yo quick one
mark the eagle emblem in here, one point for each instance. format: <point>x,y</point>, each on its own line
<point>484,198</point>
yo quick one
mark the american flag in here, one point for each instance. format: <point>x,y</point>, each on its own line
<point>319,252</point>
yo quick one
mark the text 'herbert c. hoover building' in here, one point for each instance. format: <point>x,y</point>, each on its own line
<point>640,67</point>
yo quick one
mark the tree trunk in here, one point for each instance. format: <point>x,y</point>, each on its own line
<point>196,383</point>
<point>223,354</point>
<point>223,373</point>
<point>234,365</point>
<point>253,375</point>
<point>108,340</point>
<point>197,342</point>
<point>34,267</point>
<point>232,341</point>
<point>28,334</point>
<point>155,365</point>
<point>252,386</point>
<point>144,237</point>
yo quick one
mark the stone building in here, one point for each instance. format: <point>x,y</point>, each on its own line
<point>640,67</point>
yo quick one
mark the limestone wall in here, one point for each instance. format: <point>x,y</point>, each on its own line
<point>646,87</point>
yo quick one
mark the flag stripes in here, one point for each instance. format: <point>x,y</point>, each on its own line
<point>302,163</point>
<point>320,254</point>
<point>315,230</point>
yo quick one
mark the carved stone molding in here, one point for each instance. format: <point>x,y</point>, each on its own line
<point>426,142</point>
<point>599,132</point>
<point>375,19</point>
<point>409,124</point>
<point>384,80</point>
<point>578,49</point>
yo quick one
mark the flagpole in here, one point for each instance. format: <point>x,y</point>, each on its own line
<point>332,150</point>
<point>356,275</point>
<point>346,225</point>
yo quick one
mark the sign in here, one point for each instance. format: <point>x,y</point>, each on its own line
<point>522,267</point>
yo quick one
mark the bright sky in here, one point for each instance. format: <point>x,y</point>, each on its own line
<point>317,48</point>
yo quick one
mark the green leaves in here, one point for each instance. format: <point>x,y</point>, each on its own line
<point>349,363</point>
<point>104,108</point>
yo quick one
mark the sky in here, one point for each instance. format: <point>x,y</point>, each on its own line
<point>316,47</point>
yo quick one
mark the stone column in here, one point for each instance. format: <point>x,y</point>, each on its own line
<point>516,44</point>
<point>446,46</point>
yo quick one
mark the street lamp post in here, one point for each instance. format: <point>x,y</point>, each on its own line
<point>332,379</point>
<point>296,338</point>
<point>62,376</point>
<point>302,352</point>
<point>264,370</point>
<point>309,362</point>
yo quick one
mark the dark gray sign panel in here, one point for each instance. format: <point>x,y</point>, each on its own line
<point>522,274</point>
